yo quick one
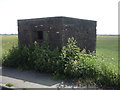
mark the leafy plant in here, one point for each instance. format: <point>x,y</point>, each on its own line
<point>20,57</point>
<point>77,63</point>
<point>45,58</point>
<point>9,84</point>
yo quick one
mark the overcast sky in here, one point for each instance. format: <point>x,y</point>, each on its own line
<point>105,12</point>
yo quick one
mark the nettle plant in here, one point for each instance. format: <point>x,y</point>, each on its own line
<point>77,63</point>
<point>45,58</point>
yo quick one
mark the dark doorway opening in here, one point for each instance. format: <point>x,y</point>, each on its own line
<point>40,35</point>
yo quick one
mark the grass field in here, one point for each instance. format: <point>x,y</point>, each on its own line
<point>106,46</point>
<point>8,41</point>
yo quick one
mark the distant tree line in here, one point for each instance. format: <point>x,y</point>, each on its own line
<point>9,34</point>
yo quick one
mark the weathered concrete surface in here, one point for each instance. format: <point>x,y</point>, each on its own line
<point>31,79</point>
<point>57,30</point>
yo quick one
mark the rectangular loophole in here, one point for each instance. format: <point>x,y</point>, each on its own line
<point>40,35</point>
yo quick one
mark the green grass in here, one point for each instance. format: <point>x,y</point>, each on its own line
<point>106,46</point>
<point>6,42</point>
<point>9,84</point>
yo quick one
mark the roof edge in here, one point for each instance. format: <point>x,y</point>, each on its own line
<point>55,17</point>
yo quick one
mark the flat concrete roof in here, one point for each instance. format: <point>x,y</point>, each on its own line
<point>54,17</point>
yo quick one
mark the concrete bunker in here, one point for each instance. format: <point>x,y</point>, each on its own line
<point>57,30</point>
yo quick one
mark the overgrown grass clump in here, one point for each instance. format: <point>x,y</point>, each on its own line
<point>9,84</point>
<point>70,63</point>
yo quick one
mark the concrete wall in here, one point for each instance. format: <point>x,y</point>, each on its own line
<point>57,30</point>
<point>51,27</point>
<point>84,31</point>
